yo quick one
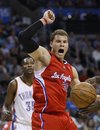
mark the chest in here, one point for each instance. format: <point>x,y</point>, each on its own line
<point>58,71</point>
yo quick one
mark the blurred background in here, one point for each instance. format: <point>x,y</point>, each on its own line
<point>80,18</point>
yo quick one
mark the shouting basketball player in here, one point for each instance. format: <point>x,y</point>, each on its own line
<point>54,76</point>
<point>18,104</point>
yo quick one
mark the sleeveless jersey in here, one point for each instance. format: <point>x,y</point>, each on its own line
<point>50,87</point>
<point>23,103</point>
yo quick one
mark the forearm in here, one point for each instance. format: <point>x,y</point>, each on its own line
<point>6,114</point>
<point>6,109</point>
<point>97,79</point>
<point>48,18</point>
<point>30,31</point>
<point>98,98</point>
<point>25,37</point>
<point>94,80</point>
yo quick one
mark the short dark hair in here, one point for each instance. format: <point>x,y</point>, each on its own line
<point>28,57</point>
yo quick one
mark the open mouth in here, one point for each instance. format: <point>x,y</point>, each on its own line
<point>61,50</point>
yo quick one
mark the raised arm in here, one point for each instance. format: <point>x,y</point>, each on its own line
<point>29,45</point>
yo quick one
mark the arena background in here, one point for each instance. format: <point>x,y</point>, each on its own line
<point>80,18</point>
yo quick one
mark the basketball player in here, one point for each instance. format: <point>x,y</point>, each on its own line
<point>18,104</point>
<point>54,76</point>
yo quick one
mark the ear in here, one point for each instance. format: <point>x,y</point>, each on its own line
<point>51,44</point>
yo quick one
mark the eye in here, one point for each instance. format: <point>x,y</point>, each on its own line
<point>65,41</point>
<point>58,41</point>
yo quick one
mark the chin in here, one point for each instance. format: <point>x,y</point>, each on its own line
<point>61,57</point>
<point>30,73</point>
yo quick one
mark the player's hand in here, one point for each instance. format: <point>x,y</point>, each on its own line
<point>48,17</point>
<point>92,81</point>
<point>78,114</point>
<point>92,108</point>
<point>6,116</point>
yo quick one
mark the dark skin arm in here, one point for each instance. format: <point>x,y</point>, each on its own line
<point>6,110</point>
<point>94,80</point>
<point>93,107</point>
<point>96,105</point>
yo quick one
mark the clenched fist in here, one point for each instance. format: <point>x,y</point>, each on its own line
<point>48,17</point>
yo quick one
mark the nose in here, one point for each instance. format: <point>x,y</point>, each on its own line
<point>30,65</point>
<point>62,44</point>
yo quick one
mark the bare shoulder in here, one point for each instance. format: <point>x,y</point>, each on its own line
<point>12,86</point>
<point>74,70</point>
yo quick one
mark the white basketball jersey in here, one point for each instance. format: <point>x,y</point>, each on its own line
<point>23,103</point>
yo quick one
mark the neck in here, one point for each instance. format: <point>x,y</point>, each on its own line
<point>27,79</point>
<point>57,56</point>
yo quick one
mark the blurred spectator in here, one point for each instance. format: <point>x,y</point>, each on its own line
<point>96,119</point>
<point>3,74</point>
<point>96,41</point>
<point>77,64</point>
<point>91,124</point>
<point>14,68</point>
<point>96,56</point>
